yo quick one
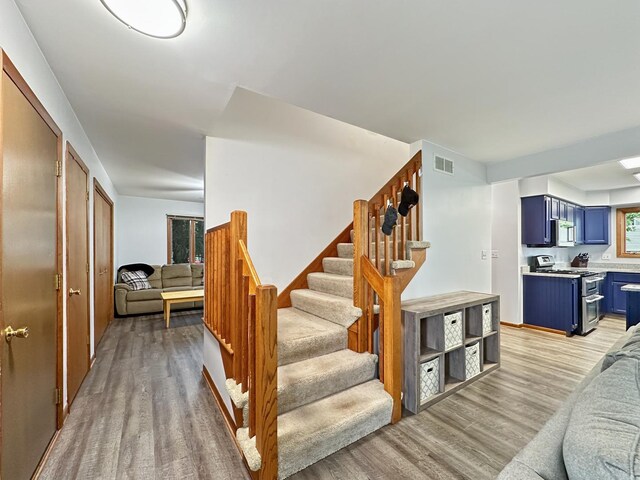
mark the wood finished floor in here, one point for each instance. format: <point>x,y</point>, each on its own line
<point>145,412</point>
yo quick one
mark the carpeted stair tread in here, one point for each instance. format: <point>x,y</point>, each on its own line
<point>314,431</point>
<point>338,266</point>
<point>304,382</point>
<point>302,335</point>
<point>336,309</point>
<point>345,250</point>
<point>339,285</point>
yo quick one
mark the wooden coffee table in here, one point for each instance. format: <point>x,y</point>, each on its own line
<point>182,296</point>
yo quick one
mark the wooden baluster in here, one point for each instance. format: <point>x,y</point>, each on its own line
<point>386,254</point>
<point>244,327</point>
<point>376,236</point>
<point>267,379</point>
<point>205,279</point>
<point>226,286</point>
<point>392,343</point>
<point>252,365</point>
<point>216,285</point>
<point>381,338</point>
<point>410,216</point>
<point>403,230</point>
<point>417,208</point>
<point>394,202</point>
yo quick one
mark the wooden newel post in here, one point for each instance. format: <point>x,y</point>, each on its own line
<point>238,231</point>
<point>393,344</point>
<point>360,240</point>
<point>266,381</point>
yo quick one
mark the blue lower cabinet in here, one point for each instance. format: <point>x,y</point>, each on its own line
<point>551,302</point>
<point>618,298</point>
<point>633,308</point>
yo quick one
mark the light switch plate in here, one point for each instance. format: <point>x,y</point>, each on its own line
<point>494,253</point>
<point>485,254</point>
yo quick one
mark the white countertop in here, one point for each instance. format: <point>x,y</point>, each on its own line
<point>631,287</point>
<point>556,275</point>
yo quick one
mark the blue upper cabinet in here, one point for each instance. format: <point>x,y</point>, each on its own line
<point>596,225</point>
<point>578,220</point>
<point>555,209</point>
<point>571,213</point>
<point>536,220</point>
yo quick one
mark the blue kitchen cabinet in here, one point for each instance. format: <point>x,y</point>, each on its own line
<point>596,225</point>
<point>563,210</point>
<point>578,221</point>
<point>536,220</point>
<point>571,213</point>
<point>551,302</point>
<point>616,299</point>
<point>555,209</point>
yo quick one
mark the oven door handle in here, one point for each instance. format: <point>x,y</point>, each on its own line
<point>594,298</point>
<point>594,279</point>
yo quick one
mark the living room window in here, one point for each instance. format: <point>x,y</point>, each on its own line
<point>185,239</point>
<point>628,232</point>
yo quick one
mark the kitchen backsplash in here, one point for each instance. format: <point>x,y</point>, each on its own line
<point>561,255</point>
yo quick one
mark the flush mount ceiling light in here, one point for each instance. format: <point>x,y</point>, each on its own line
<point>630,163</point>
<point>155,18</point>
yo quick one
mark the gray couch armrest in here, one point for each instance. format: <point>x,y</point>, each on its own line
<point>121,290</point>
<point>518,471</point>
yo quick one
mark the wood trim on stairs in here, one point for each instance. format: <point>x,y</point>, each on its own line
<point>300,282</point>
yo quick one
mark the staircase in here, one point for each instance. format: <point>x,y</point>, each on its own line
<point>330,389</point>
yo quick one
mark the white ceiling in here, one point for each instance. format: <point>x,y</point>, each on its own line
<point>492,80</point>
<point>608,176</point>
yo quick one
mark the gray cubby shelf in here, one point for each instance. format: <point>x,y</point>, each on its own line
<point>462,331</point>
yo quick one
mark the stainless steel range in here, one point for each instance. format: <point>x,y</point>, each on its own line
<point>590,295</point>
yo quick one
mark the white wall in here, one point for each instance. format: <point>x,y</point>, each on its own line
<point>18,43</point>
<point>457,222</point>
<point>505,242</point>
<point>297,174</point>
<point>142,227</point>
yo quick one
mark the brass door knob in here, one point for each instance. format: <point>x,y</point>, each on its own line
<point>74,292</point>
<point>9,333</point>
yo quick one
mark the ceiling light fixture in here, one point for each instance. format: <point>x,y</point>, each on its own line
<point>155,18</point>
<point>630,163</point>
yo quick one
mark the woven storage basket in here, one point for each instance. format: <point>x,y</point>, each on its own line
<point>486,319</point>
<point>452,330</point>
<point>429,379</point>
<point>472,360</point>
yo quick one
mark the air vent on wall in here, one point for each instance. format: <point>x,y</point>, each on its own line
<point>443,165</point>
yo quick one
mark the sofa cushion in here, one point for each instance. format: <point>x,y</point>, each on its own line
<point>177,289</point>
<point>197,273</point>
<point>603,436</point>
<point>631,347</point>
<point>156,279</point>
<point>139,295</point>
<point>136,280</point>
<point>178,275</point>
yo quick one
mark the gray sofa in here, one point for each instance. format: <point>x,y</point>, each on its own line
<point>165,278</point>
<point>587,438</point>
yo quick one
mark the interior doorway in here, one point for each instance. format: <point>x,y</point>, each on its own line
<point>77,215</point>
<point>102,262</point>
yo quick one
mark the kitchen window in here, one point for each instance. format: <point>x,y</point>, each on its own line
<point>185,239</point>
<point>628,232</point>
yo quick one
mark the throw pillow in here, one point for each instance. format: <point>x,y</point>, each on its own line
<point>602,438</point>
<point>136,280</point>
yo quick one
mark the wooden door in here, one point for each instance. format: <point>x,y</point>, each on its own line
<point>102,261</point>
<point>77,206</point>
<point>29,152</point>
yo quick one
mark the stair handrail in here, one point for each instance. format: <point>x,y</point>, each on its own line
<point>241,313</point>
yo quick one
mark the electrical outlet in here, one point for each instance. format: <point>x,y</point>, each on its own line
<point>494,253</point>
<point>606,256</point>
<point>485,254</point>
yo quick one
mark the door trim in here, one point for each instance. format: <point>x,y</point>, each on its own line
<point>72,155</point>
<point>7,66</point>
<point>98,190</point>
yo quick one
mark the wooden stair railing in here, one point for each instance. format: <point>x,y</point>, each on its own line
<point>241,314</point>
<point>374,280</point>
